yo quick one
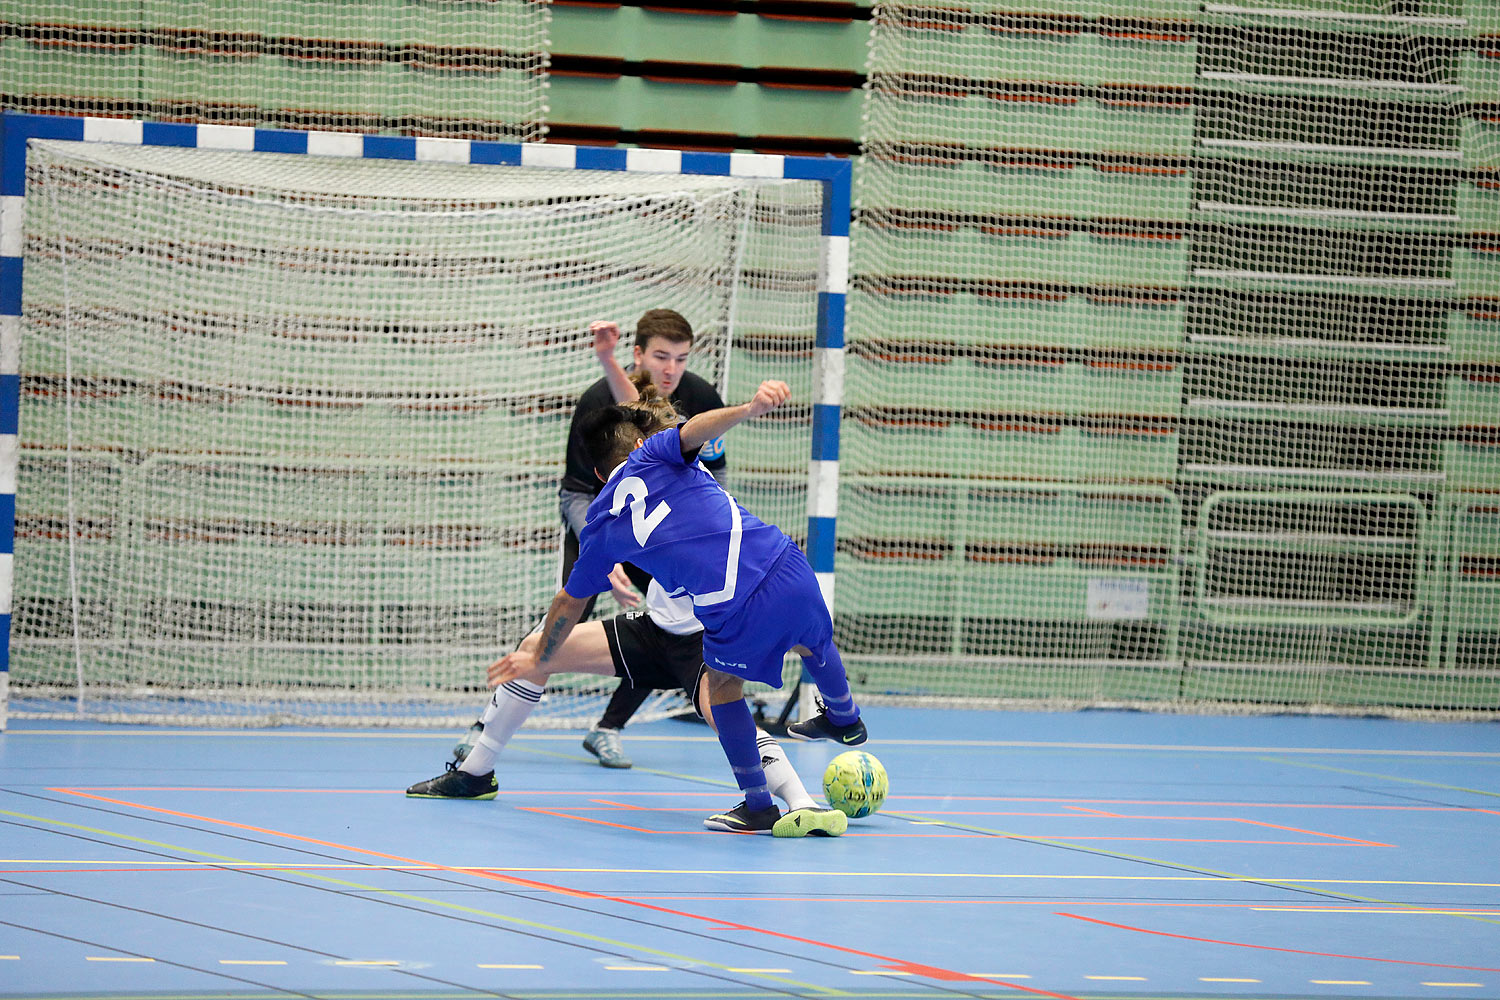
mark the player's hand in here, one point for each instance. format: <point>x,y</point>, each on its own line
<point>509,667</point>
<point>621,588</point>
<point>770,395</point>
<point>606,335</point>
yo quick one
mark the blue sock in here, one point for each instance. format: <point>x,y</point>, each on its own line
<point>737,737</point>
<point>833,685</point>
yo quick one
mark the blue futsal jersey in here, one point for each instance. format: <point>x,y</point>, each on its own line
<point>672,519</point>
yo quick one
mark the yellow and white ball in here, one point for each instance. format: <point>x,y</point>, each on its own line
<point>855,783</point>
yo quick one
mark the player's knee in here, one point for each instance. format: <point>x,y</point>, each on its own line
<point>724,687</point>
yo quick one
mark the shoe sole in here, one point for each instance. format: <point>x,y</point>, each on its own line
<point>840,740</point>
<point>464,798</point>
<point>709,824</point>
<point>811,823</point>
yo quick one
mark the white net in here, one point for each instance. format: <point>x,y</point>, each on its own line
<point>293,426</point>
<point>1174,347</point>
<point>448,67</point>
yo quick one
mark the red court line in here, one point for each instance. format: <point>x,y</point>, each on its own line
<point>515,793</point>
<point>893,964</point>
<point>1267,947</point>
<point>1311,833</point>
<point>587,819</point>
<point>573,811</point>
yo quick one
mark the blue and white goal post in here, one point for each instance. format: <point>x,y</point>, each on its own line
<point>19,132</point>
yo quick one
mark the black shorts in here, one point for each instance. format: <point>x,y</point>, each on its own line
<point>648,657</point>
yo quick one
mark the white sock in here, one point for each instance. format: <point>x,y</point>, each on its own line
<point>781,777</point>
<point>509,707</point>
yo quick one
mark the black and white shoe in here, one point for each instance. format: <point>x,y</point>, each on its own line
<point>820,727</point>
<point>741,819</point>
<point>456,784</point>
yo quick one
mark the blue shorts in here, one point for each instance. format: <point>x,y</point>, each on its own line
<point>786,610</point>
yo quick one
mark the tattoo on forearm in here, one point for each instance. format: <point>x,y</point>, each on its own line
<point>553,640</point>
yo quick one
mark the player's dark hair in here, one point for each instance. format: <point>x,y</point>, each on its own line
<point>668,324</point>
<point>610,434</point>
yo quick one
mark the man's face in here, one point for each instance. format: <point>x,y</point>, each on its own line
<point>666,360</point>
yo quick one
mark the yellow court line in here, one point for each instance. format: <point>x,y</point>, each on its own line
<point>1388,777</point>
<point>1366,909</point>
<point>1210,874</point>
<point>10,958</point>
<point>504,918</point>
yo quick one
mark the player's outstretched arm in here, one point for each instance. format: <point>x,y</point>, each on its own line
<point>713,423</point>
<point>606,336</point>
<point>561,617</point>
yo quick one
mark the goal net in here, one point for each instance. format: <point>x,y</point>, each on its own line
<point>292,426</point>
<point>1173,356</point>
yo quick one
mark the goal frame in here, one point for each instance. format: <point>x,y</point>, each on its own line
<point>833,174</point>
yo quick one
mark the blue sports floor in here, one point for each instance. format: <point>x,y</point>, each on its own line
<point>1086,855</point>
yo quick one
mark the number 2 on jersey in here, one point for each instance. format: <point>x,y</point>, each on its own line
<point>632,490</point>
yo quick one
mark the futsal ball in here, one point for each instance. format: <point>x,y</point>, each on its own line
<point>855,783</point>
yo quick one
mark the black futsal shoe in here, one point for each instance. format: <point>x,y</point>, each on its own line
<point>456,784</point>
<point>821,727</point>
<point>741,819</point>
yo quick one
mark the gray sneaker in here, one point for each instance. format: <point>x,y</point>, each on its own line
<point>605,744</point>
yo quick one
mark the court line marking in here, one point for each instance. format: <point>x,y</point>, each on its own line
<point>764,872</point>
<point>1392,777</point>
<point>501,965</point>
<point>506,793</point>
<point>347,885</point>
<point>240,734</point>
<point>1266,947</point>
<point>931,972</point>
<point>264,988</point>
<point>1298,885</point>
